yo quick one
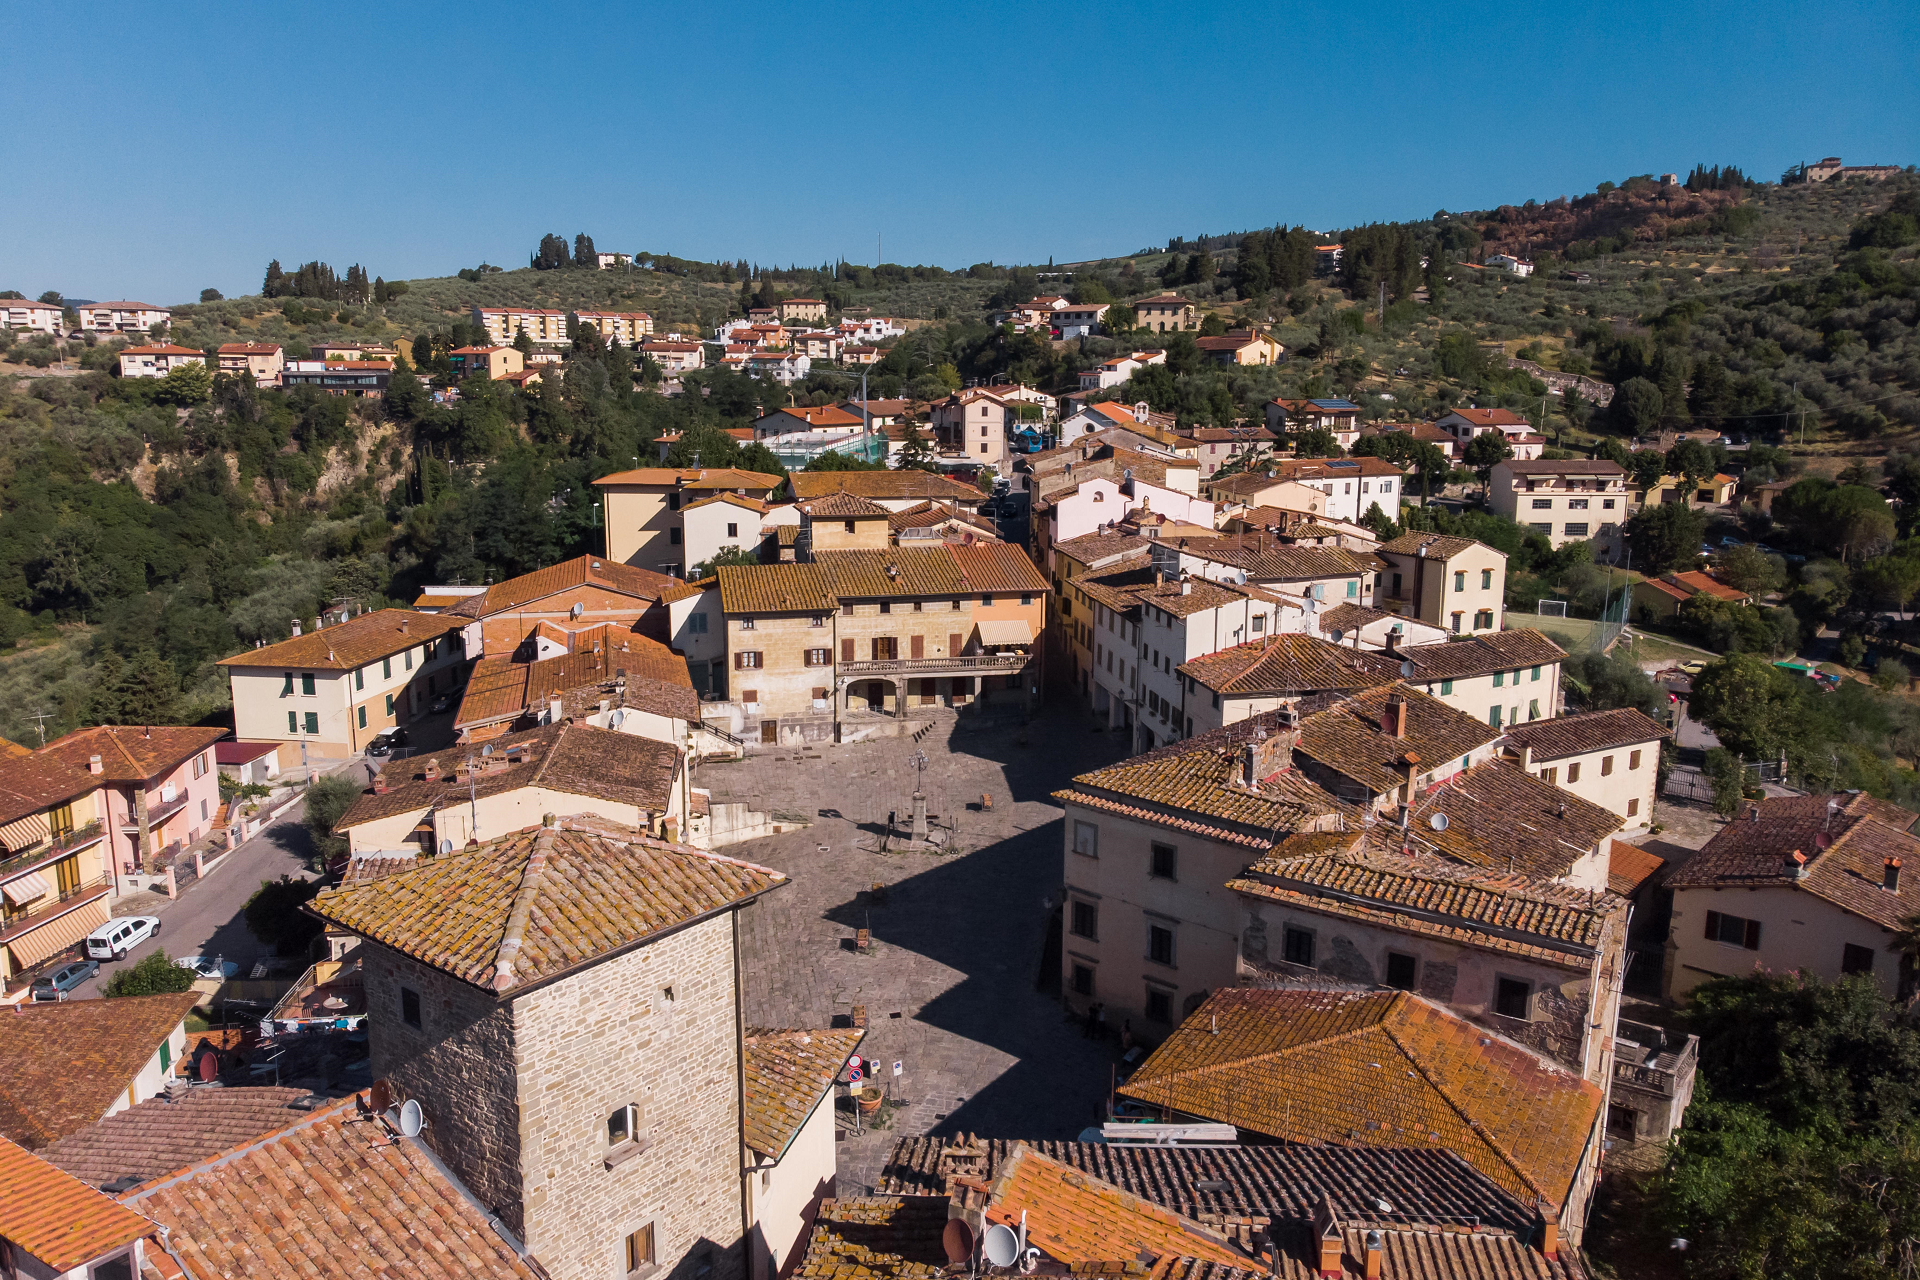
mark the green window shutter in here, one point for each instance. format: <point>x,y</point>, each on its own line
<point>293,722</point>
<point>363,717</point>
<point>1446,688</point>
<point>386,668</point>
<point>287,690</point>
<point>1499,679</point>
<point>1353,587</point>
<point>166,1054</point>
<point>1493,716</point>
<point>359,677</point>
<point>306,683</point>
<point>313,722</point>
<point>389,704</point>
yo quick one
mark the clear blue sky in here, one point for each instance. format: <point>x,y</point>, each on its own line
<point>153,150</point>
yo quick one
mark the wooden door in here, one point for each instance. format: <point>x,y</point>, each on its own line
<point>770,733</point>
<point>919,649</point>
<point>955,643</point>
<point>846,651</point>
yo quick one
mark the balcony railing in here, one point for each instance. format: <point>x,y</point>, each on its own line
<point>1664,1065</point>
<point>78,838</point>
<point>977,662</point>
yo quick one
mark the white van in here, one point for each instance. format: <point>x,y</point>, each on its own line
<point>112,940</point>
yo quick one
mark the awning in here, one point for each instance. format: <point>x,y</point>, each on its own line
<point>58,933</point>
<point>1004,631</point>
<point>24,889</point>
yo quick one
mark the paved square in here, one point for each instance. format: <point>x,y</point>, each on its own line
<point>952,987</point>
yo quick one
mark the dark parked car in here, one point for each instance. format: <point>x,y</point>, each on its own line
<point>64,979</point>
<point>440,704</point>
<point>386,742</point>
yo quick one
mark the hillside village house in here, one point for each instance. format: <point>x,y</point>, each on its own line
<point>261,361</point>
<point>894,490</point>
<point>1113,372</point>
<point>1507,262</point>
<point>1104,487</point>
<point>160,789</point>
<point>643,509</point>
<point>1817,884</point>
<point>626,327</point>
<point>31,317</point>
<point>1076,320</point>
<point>675,357</point>
<point>122,317</point>
<point>1503,677</point>
<point>784,367</point>
<point>1353,486</point>
<point>324,350</point>
<point>72,1063</point>
<point>545,328</point>
<point>1318,577</point>
<point>607,261</point>
<point>1609,757</point>
<point>1569,501</point>
<point>1242,346</point>
<point>1661,598</point>
<point>975,426</point>
<point>1341,417</point>
<point>328,693</point>
<point>818,345</point>
<point>1712,491</point>
<point>606,676</point>
<point>1464,425</point>
<point>523,617</point>
<point>724,522</point>
<point>1455,583</point>
<point>1424,432</point>
<point>1034,314</point>
<point>157,360</point>
<point>1359,627</point>
<point>833,420</point>
<point>790,309</point>
<point>1215,447</point>
<point>1108,414</point>
<point>357,379</point>
<point>1271,673</point>
<point>1166,313</point>
<point>57,865</point>
<point>489,362</point>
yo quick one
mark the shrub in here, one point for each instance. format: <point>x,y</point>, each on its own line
<point>274,916</point>
<point>152,975</point>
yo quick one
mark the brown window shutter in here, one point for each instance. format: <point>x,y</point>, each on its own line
<point>739,662</point>
<point>846,651</point>
<point>955,643</point>
<point>919,646</point>
<point>1753,935</point>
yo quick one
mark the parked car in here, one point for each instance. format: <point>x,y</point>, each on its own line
<point>55,985</point>
<point>112,940</point>
<point>386,742</point>
<point>208,966</point>
<point>440,704</point>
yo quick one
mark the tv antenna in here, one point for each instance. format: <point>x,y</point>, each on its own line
<point>40,719</point>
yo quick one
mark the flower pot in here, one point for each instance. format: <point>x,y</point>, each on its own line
<point>869,1100</point>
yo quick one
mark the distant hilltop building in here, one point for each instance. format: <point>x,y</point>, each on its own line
<point>1831,167</point>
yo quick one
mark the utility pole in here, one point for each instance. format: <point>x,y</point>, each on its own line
<point>1383,304</point>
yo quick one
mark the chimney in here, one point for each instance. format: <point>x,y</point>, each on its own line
<point>1797,865</point>
<point>1890,876</point>
<point>433,770</point>
<point>1186,586</point>
<point>403,626</point>
<point>1331,1242</point>
<point>296,626</point>
<point>1376,1254</point>
<point>1549,1237</point>
<point>1249,772</point>
<point>1395,719</point>
<point>1393,644</point>
<point>555,711</point>
<point>95,766</point>
<point>380,783</point>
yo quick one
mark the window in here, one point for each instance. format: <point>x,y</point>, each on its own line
<point>1353,587</point>
<point>293,722</point>
<point>819,657</point>
<point>673,502</point>
<point>846,611</point>
<point>746,660</point>
<point>1633,808</point>
<point>1573,774</point>
<point>386,668</point>
<point>1401,970</point>
<point>200,765</point>
<point>1457,618</point>
<point>1159,1005</point>
<point>1160,944</point>
<point>733,530</point>
<point>1607,503</point>
<point>1734,931</point>
<point>1541,528</point>
<point>363,717</point>
<point>1160,862</point>
<point>640,1250</point>
<point>1633,759</point>
<point>306,684</point>
<point>359,678</point>
<point>1577,504</point>
<point>673,537</point>
<point>752,698</point>
<point>1086,920</point>
<point>1550,776</point>
<point>886,606</point>
<point>407,659</point>
<point>1493,716</point>
<point>410,1007</point>
<point>313,722</point>
<point>747,624</point>
<point>623,1126</point>
<point>286,690</point>
<point>1511,998</point>
<point>1856,959</point>
<point>1533,708</point>
<point>1536,673</point>
<point>1577,530</point>
<point>1025,599</point>
<point>919,606</point>
<point>1486,579</point>
<point>1459,579</point>
<point>1082,980</point>
<point>1543,504</point>
<point>1298,947</point>
<point>697,624</point>
<point>1483,620</point>
<point>1499,678</point>
<point>120,1268</point>
<point>1606,766</point>
<point>389,704</point>
<point>886,648</point>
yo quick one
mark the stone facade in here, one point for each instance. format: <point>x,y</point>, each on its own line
<point>518,1096</point>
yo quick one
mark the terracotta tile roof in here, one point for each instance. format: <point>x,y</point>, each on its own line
<point>1345,617</point>
<point>774,588</point>
<point>31,783</point>
<point>353,643</point>
<point>1481,655</point>
<point>1074,1217</point>
<point>574,759</point>
<point>1290,663</point>
<point>161,349</point>
<point>1493,417</point>
<point>1376,1069</point>
<point>159,1136</point>
<point>891,486</point>
<point>1376,875</point>
<point>694,478</point>
<point>876,1238</point>
<point>1435,546</point>
<point>1351,739</point>
<point>1184,597</point>
<point>1266,560</point>
<point>1696,581</point>
<point>998,567</point>
<point>733,500</point>
<point>63,1064</point>
<point>248,348</point>
<point>822,416</point>
<point>581,571</point>
<point>788,1074</point>
<point>1502,817</point>
<point>1629,866</point>
<point>840,505</point>
<point>55,1217</point>
<point>587,896</point>
<point>657,681</point>
<point>1589,731</point>
<point>895,572</point>
<point>1426,431</point>
<point>324,1200</point>
<point>1846,851</point>
<point>1091,548</point>
<point>131,753</point>
<point>683,590</point>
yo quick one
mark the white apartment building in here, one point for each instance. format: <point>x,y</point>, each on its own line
<point>628,327</point>
<point>32,317</point>
<point>1568,501</point>
<point>157,361</point>
<point>122,317</point>
<point>675,357</point>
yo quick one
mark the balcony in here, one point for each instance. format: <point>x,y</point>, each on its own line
<point>964,665</point>
<point>156,815</point>
<point>1654,1059</point>
<point>47,850</point>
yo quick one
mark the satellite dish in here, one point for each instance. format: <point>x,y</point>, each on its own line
<point>1002,1245</point>
<point>957,1240</point>
<point>446,846</point>
<point>380,1097</point>
<point>407,1118</point>
<point>1438,822</point>
<point>1407,668</point>
<point>1335,635</point>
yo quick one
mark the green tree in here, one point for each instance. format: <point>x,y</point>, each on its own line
<point>211,295</point>
<point>1692,460</point>
<point>1729,780</point>
<point>1750,705</point>
<point>723,557</point>
<point>1890,675</point>
<point>1314,442</point>
<point>187,385</point>
<point>1638,407</point>
<point>1484,452</point>
<point>153,974</point>
<point>142,689</point>
<point>916,451</point>
<point>1119,319</point>
<point>583,252</point>
<point>328,800</point>
<point>1665,537</point>
<point>1749,569</point>
<point>274,915</point>
<point>1610,681</point>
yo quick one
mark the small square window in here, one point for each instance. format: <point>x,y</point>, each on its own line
<point>1573,774</point>
<point>1512,998</point>
<point>1856,959</point>
<point>746,624</point>
<point>1633,759</point>
<point>1086,920</point>
<point>1159,1006</point>
<point>1086,839</point>
<point>1161,862</point>
<point>1082,980</point>
<point>1401,970</point>
<point>1160,944</point>
<point>1299,947</point>
<point>306,684</point>
<point>1633,808</point>
<point>410,1006</point>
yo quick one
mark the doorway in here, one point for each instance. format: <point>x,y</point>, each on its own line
<point>769,733</point>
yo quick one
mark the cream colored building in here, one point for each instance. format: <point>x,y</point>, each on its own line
<point>1166,313</point>
<point>543,327</point>
<point>628,327</point>
<point>1570,501</point>
<point>23,316</point>
<point>494,362</point>
<point>261,361</point>
<point>644,509</point>
<point>328,693</point>
<point>1502,677</point>
<point>157,360</point>
<point>122,317</point>
<point>790,309</point>
<point>1455,583</point>
<point>1609,757</point>
<point>724,522</point>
